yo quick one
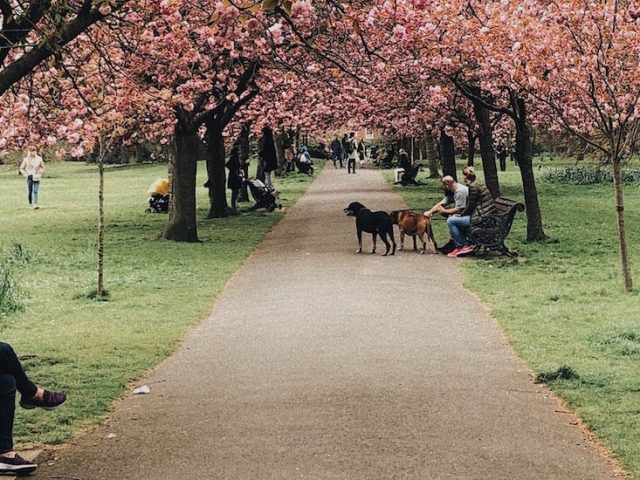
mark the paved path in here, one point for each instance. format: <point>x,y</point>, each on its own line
<point>318,363</point>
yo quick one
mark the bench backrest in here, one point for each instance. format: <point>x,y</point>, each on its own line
<point>507,209</point>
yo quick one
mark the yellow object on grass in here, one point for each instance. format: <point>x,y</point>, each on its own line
<point>160,187</point>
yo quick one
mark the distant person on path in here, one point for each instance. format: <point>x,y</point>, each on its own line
<point>289,153</point>
<point>268,157</point>
<point>502,157</point>
<point>234,181</point>
<point>480,204</point>
<point>32,167</point>
<point>345,147</point>
<point>336,152</point>
<point>403,165</point>
<point>352,151</point>
<point>12,378</point>
<point>362,153</point>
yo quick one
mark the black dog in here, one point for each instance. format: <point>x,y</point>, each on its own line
<point>375,223</point>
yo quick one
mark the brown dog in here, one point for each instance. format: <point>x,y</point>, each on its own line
<point>413,224</point>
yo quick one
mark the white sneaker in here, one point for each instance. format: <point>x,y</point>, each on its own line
<point>35,206</point>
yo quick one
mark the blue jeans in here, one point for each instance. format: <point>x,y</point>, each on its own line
<point>12,377</point>
<point>33,186</point>
<point>457,225</point>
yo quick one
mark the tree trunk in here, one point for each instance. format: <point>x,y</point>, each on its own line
<point>278,139</point>
<point>471,147</point>
<point>215,168</point>
<point>622,232</point>
<point>432,155</point>
<point>448,154</point>
<point>535,230</point>
<point>182,225</point>
<point>244,160</point>
<point>485,139</point>
<point>100,290</point>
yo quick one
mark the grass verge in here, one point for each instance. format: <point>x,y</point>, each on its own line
<point>561,303</point>
<point>157,289</point>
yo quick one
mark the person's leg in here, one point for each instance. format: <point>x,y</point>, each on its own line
<point>7,411</point>
<point>29,188</point>
<point>457,225</point>
<point>34,195</point>
<point>235,193</point>
<point>268,181</point>
<point>10,365</point>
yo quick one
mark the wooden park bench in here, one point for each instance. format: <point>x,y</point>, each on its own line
<point>491,233</point>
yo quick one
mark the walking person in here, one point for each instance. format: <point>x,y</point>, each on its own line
<point>12,378</point>
<point>268,157</point>
<point>336,152</point>
<point>352,152</point>
<point>234,181</point>
<point>32,167</point>
<point>502,157</point>
<point>362,153</point>
<point>345,147</point>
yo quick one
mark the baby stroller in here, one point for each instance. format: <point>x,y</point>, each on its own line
<point>159,196</point>
<point>410,174</point>
<point>304,164</point>
<point>263,197</point>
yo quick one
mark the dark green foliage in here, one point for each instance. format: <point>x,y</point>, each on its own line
<point>562,373</point>
<point>587,175</point>
<point>10,293</point>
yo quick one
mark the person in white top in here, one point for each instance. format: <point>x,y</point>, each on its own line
<point>32,167</point>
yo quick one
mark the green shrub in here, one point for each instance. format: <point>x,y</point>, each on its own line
<point>19,254</point>
<point>10,293</point>
<point>587,175</point>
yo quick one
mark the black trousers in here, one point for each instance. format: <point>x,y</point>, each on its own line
<point>351,165</point>
<point>12,378</point>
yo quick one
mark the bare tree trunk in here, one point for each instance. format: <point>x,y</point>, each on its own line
<point>471,147</point>
<point>101,153</point>
<point>485,139</point>
<point>448,153</point>
<point>218,206</point>
<point>622,232</point>
<point>535,230</point>
<point>278,139</point>
<point>432,155</point>
<point>182,226</point>
<point>244,161</point>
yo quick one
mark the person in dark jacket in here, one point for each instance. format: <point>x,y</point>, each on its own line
<point>234,181</point>
<point>268,157</point>
<point>336,152</point>
<point>480,204</point>
<point>345,148</point>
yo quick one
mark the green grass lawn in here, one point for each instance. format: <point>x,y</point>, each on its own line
<point>158,289</point>
<point>561,303</point>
